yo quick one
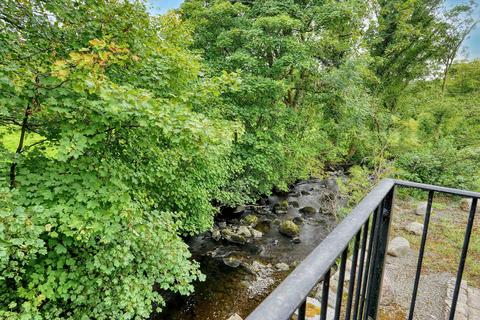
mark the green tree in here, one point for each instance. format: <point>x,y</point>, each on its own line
<point>301,96</point>
<point>442,149</point>
<point>110,166</point>
<point>408,41</point>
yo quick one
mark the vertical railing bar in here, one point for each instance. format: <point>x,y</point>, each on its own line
<point>360,269</point>
<point>325,290</point>
<point>375,219</point>
<point>302,310</point>
<point>341,279</point>
<point>353,273</point>
<point>374,252</point>
<point>463,257</point>
<point>379,256</point>
<point>420,254</point>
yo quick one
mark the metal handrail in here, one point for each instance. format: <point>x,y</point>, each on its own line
<point>291,294</point>
<point>431,187</point>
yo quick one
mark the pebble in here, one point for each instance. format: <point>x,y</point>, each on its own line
<point>296,240</point>
<point>297,220</point>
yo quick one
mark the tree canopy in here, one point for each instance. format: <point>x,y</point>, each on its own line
<point>122,132</point>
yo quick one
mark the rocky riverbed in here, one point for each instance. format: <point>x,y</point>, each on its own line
<point>251,250</point>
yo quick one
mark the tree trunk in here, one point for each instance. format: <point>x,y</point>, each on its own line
<point>13,166</point>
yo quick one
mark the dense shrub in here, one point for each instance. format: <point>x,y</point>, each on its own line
<point>441,164</point>
<point>93,206</point>
<point>439,144</point>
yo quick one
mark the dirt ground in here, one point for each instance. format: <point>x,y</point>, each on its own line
<point>442,254</point>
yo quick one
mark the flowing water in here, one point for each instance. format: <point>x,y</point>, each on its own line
<point>240,276</point>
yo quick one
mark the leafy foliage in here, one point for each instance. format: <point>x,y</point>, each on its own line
<point>123,132</point>
<point>444,151</point>
<point>301,95</point>
<point>121,166</point>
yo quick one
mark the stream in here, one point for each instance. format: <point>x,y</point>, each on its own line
<point>245,256</point>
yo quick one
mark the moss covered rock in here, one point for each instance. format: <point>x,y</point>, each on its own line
<point>250,220</point>
<point>289,228</point>
<point>308,210</point>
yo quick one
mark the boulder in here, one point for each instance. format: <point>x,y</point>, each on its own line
<point>239,209</point>
<point>264,225</point>
<point>308,210</point>
<point>256,233</point>
<point>398,247</point>
<point>232,262</point>
<point>244,231</point>
<point>296,240</point>
<point>465,204</point>
<point>421,209</point>
<point>336,276</point>
<point>298,220</point>
<point>262,202</point>
<point>256,267</point>
<point>414,228</point>
<point>294,204</point>
<point>288,228</point>
<point>263,210</point>
<point>250,220</point>
<point>305,193</point>
<point>281,205</point>
<point>216,235</point>
<point>233,237</point>
<point>282,266</point>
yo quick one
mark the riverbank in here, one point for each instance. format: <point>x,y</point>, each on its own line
<point>250,250</point>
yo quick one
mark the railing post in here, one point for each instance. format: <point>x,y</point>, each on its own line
<point>378,260</point>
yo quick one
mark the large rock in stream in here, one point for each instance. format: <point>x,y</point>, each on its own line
<point>308,210</point>
<point>233,237</point>
<point>289,228</point>
<point>281,207</point>
<point>250,220</point>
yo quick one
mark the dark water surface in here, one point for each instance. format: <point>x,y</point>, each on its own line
<point>252,274</point>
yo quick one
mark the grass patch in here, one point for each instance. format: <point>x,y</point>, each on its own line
<point>10,136</point>
<point>392,313</point>
<point>444,244</point>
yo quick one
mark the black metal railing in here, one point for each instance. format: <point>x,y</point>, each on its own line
<point>366,228</point>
